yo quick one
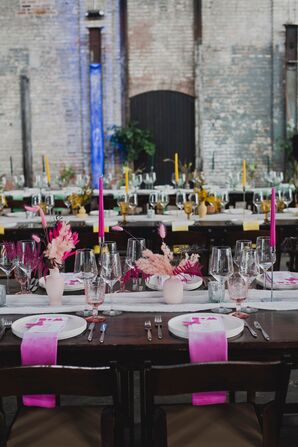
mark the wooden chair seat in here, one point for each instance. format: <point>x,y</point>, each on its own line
<point>213,426</point>
<point>56,427</point>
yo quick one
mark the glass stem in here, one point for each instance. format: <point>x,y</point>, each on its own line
<point>111,297</point>
<point>7,284</point>
<point>95,311</point>
<point>222,298</point>
<point>265,279</point>
<point>271,296</point>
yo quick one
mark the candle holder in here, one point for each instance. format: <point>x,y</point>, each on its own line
<point>265,208</point>
<point>124,206</point>
<point>188,206</point>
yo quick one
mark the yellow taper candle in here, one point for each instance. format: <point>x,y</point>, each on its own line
<point>176,168</point>
<point>48,172</point>
<point>126,180</point>
<point>243,174</point>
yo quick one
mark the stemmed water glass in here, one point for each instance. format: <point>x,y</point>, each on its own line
<point>7,260</point>
<point>223,197</point>
<point>180,199</point>
<point>221,267</point>
<point>153,199</point>
<point>241,244</point>
<point>27,256</point>
<point>21,277</point>
<point>266,257</point>
<point>237,288</point>
<point>257,200</point>
<point>111,273</point>
<point>50,202</point>
<point>106,247</point>
<point>287,197</point>
<point>95,294</point>
<point>249,270</point>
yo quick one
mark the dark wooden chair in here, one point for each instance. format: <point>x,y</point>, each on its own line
<point>225,425</point>
<point>63,426</point>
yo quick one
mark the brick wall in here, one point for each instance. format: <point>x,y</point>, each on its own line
<point>236,74</point>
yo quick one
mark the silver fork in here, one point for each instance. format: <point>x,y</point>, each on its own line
<point>4,324</point>
<point>158,324</point>
<point>147,326</point>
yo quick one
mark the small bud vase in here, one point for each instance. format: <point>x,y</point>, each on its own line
<point>173,290</point>
<point>54,284</point>
<point>202,209</point>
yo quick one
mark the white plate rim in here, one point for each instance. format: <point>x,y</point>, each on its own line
<point>61,335</point>
<point>260,281</point>
<point>176,320</point>
<point>192,286</point>
<point>67,287</point>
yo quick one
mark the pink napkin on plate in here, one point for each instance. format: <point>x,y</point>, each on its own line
<point>207,343</point>
<point>39,347</point>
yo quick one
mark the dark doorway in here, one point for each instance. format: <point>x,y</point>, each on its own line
<point>169,116</point>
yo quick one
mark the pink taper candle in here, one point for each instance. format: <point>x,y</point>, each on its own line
<point>101,223</point>
<point>272,220</point>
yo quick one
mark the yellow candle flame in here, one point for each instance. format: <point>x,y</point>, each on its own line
<point>176,168</point>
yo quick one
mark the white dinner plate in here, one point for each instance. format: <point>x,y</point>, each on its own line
<point>17,214</point>
<point>69,285</point>
<point>164,187</point>
<point>8,225</point>
<point>156,283</point>
<point>74,325</point>
<point>237,211</point>
<point>281,280</point>
<point>232,325</point>
<point>291,211</point>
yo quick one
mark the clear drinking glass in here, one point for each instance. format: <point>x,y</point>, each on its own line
<point>257,200</point>
<point>221,267</point>
<point>237,288</point>
<point>223,197</point>
<point>7,260</point>
<point>266,257</point>
<point>180,199</point>
<point>134,250</point>
<point>287,197</point>
<point>35,199</point>
<point>95,294</point>
<point>133,201</point>
<point>111,273</point>
<point>27,257</point>
<point>21,277</point>
<point>50,202</point>
<point>249,270</point>
<point>239,247</point>
<point>85,264</point>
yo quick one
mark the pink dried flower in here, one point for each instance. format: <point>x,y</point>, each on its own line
<point>117,228</point>
<point>36,238</point>
<point>162,231</point>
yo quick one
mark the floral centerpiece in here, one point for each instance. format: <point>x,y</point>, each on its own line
<point>162,265</point>
<point>78,201</point>
<point>59,243</point>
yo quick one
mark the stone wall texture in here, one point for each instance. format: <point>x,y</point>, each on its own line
<point>235,72</point>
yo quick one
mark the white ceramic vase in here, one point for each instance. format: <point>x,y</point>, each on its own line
<point>173,290</point>
<point>54,284</point>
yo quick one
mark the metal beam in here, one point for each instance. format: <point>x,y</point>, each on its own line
<point>26,130</point>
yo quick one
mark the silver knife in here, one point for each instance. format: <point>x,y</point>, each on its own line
<point>251,330</point>
<point>91,329</point>
<point>264,333</point>
<point>102,329</point>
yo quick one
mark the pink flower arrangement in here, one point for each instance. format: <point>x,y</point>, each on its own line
<point>161,264</point>
<point>59,242</point>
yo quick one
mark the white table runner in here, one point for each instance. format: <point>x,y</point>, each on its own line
<point>195,300</point>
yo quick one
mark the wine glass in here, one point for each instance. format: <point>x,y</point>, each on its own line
<point>223,197</point>
<point>21,277</point>
<point>123,204</point>
<point>287,197</point>
<point>153,199</point>
<point>95,294</point>
<point>134,250</point>
<point>85,264</point>
<point>194,199</point>
<point>239,247</point>
<point>152,179</point>
<point>221,267</point>
<point>133,201</point>
<point>50,202</point>
<point>249,270</point>
<point>266,257</point>
<point>106,247</point>
<point>180,199</point>
<point>257,200</point>
<point>27,256</point>
<point>7,260</point>
<point>237,288</point>
<point>35,199</point>
<point>111,274</point>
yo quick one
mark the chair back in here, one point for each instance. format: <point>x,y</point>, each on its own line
<point>230,376</point>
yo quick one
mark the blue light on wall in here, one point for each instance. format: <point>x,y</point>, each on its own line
<point>96,122</point>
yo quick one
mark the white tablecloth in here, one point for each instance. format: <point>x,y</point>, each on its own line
<point>195,300</point>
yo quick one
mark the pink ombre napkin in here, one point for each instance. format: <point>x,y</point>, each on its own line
<point>207,343</point>
<point>39,347</point>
